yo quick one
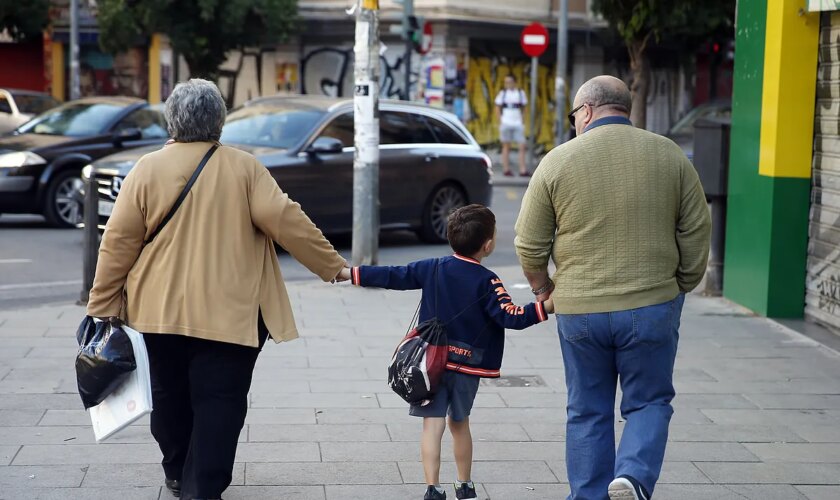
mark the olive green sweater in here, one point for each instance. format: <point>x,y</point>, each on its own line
<point>623,215</point>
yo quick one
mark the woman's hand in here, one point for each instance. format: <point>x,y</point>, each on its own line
<point>343,275</point>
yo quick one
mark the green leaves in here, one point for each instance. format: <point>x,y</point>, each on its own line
<point>667,20</point>
<point>24,18</point>
<point>203,31</point>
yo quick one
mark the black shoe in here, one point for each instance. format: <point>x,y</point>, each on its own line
<point>465,491</point>
<point>627,488</point>
<point>174,487</point>
<point>433,494</point>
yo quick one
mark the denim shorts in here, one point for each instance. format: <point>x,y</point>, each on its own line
<point>512,134</point>
<point>454,397</point>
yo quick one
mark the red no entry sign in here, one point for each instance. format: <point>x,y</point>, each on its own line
<point>534,39</point>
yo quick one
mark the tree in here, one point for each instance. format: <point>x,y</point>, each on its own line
<point>24,19</point>
<point>682,24</point>
<point>202,31</point>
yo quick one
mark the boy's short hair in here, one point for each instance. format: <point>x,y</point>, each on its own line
<point>469,228</point>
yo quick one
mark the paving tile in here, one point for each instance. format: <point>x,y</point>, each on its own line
<point>258,416</point>
<point>818,433</point>
<point>55,476</point>
<point>7,453</point>
<point>311,400</point>
<point>727,492</point>
<point>138,493</point>
<point>116,475</point>
<point>20,417</point>
<point>349,386</point>
<point>783,417</point>
<point>480,432</point>
<point>775,473</point>
<point>40,402</point>
<point>319,433</point>
<point>482,400</point>
<point>796,401</point>
<point>820,492</point>
<point>708,452</point>
<point>726,401</point>
<point>47,435</point>
<point>526,491</point>
<point>796,452</point>
<point>487,472</point>
<point>344,492</point>
<point>280,474</point>
<point>88,454</point>
<point>277,452</point>
<point>275,492</point>
<point>734,433</point>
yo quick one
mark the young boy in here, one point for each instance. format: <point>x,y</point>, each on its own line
<point>473,303</point>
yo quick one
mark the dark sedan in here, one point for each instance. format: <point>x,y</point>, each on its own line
<point>41,162</point>
<point>429,162</point>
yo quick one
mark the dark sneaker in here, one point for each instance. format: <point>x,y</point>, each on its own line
<point>433,494</point>
<point>626,488</point>
<point>465,490</point>
<point>174,487</point>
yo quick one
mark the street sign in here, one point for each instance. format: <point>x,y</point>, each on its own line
<point>534,39</point>
<point>426,40</point>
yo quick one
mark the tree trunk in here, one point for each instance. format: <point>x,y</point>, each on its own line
<point>640,67</point>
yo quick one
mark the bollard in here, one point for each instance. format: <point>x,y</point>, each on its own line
<point>90,238</point>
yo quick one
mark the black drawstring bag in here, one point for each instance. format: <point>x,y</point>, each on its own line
<point>104,361</point>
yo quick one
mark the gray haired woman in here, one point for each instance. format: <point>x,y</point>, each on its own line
<point>206,290</point>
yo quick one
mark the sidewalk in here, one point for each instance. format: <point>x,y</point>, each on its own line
<point>757,412</point>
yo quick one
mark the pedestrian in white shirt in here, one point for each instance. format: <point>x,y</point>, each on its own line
<point>509,105</point>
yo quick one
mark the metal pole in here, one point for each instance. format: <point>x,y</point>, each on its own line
<point>90,239</point>
<point>562,63</point>
<point>365,246</point>
<point>408,11</point>
<point>75,92</point>
<point>714,273</point>
<point>532,101</point>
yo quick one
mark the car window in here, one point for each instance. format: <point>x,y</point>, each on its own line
<point>340,128</point>
<point>73,119</point>
<point>403,128</point>
<point>263,125</point>
<point>149,121</point>
<point>5,107</point>
<point>444,133</point>
<point>34,104</point>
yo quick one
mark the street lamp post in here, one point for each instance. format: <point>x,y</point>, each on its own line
<point>562,63</point>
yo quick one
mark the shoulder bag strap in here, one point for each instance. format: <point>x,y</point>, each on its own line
<point>183,194</point>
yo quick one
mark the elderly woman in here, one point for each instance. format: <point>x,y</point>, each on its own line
<point>205,290</point>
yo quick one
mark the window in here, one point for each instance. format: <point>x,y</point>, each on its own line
<point>341,128</point>
<point>34,104</point>
<point>150,123</point>
<point>403,128</point>
<point>444,133</point>
<point>73,119</point>
<point>4,105</point>
<point>268,125</point>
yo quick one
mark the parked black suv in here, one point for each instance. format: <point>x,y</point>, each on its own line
<point>41,162</point>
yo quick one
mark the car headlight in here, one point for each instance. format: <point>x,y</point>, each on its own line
<point>20,159</point>
<point>86,172</point>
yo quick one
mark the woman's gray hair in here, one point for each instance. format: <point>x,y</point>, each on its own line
<point>195,111</point>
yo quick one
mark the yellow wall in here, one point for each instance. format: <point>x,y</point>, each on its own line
<point>789,90</point>
<point>154,69</point>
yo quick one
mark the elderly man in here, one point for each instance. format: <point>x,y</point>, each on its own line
<point>623,215</point>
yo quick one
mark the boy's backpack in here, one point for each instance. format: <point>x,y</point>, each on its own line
<point>419,361</point>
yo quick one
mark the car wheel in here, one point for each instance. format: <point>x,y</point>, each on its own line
<point>63,203</point>
<point>444,200</point>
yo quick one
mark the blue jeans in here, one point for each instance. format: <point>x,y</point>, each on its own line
<point>637,347</point>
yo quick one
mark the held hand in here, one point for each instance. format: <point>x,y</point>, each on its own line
<point>343,275</point>
<point>548,305</point>
<point>546,295</point>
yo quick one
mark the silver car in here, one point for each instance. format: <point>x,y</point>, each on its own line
<point>19,106</point>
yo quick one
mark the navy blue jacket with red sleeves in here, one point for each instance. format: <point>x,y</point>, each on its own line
<point>471,300</point>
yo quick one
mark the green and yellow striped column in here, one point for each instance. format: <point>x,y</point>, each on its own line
<point>776,51</point>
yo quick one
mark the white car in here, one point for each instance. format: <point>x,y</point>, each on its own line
<point>19,106</point>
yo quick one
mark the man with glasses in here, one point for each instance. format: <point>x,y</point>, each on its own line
<point>623,215</point>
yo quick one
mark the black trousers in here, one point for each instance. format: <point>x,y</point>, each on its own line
<point>200,398</point>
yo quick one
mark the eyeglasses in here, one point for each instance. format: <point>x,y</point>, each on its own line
<point>574,111</point>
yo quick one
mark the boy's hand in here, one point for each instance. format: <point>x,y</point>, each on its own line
<point>548,305</point>
<point>343,275</point>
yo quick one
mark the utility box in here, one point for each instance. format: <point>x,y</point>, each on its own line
<point>711,154</point>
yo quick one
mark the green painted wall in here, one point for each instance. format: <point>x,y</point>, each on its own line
<point>767,217</point>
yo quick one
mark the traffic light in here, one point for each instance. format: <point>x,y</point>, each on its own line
<point>415,32</point>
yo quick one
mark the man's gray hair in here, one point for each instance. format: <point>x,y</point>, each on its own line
<point>606,92</point>
<point>195,111</point>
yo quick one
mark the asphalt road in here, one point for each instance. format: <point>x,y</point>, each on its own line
<point>41,266</point>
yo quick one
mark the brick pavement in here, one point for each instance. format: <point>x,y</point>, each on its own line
<point>757,414</point>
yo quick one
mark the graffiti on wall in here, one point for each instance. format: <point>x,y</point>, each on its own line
<point>251,73</point>
<point>329,71</point>
<point>485,79</point>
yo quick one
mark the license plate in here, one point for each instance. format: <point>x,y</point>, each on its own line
<point>106,208</point>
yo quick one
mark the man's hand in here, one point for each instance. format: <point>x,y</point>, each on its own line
<point>343,275</point>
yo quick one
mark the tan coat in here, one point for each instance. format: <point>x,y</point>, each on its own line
<point>213,267</point>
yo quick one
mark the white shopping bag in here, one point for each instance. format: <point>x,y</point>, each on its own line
<point>131,400</point>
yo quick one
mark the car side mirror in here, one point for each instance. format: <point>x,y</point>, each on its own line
<point>325,145</point>
<point>127,134</point>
